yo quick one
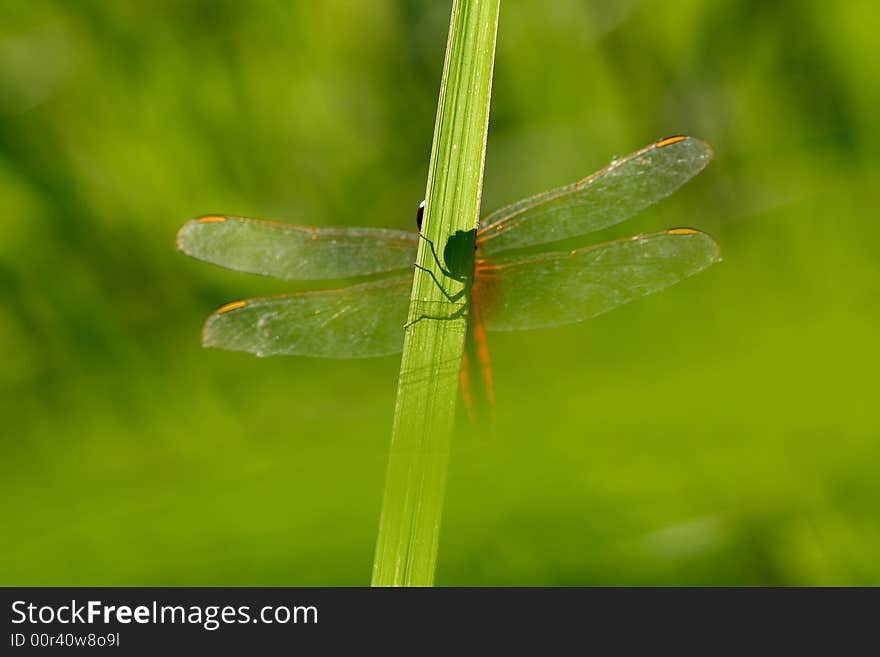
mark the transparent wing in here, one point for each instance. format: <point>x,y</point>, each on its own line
<point>360,321</point>
<point>603,199</point>
<point>296,252</point>
<point>550,289</point>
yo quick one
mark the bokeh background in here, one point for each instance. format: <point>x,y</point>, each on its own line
<point>723,432</point>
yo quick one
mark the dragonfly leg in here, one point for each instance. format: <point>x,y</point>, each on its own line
<point>452,297</point>
<point>445,271</point>
<point>458,312</point>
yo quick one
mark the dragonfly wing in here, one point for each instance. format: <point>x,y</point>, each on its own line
<point>603,199</point>
<point>296,252</point>
<point>361,321</point>
<point>550,289</point>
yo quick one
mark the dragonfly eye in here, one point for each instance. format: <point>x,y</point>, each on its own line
<point>420,213</point>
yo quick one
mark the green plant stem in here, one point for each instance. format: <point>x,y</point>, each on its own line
<point>406,549</point>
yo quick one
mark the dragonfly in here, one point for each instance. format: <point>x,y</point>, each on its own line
<point>522,278</point>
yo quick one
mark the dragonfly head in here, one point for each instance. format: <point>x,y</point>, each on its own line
<point>420,214</point>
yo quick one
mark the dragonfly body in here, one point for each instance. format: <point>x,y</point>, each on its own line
<point>510,284</point>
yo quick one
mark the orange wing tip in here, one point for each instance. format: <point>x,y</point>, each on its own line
<point>235,305</point>
<point>668,141</point>
<point>208,218</point>
<point>682,231</point>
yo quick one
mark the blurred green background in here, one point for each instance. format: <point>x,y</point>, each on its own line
<point>724,431</point>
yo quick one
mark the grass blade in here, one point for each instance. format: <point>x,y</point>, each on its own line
<point>406,550</point>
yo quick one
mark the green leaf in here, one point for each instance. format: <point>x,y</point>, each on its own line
<point>406,550</point>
